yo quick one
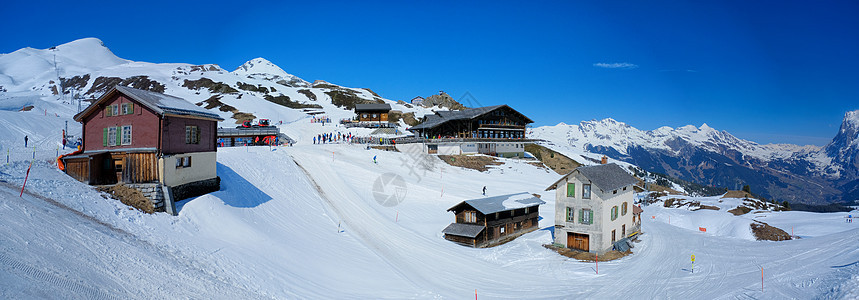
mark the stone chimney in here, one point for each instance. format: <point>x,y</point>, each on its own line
<point>604,159</point>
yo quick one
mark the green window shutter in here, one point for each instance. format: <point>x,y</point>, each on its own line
<point>130,108</point>
<point>591,217</point>
<point>104,138</point>
<point>571,190</point>
<point>118,136</point>
<point>582,216</point>
<point>108,110</point>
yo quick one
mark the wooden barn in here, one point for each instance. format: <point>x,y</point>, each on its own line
<point>487,222</point>
<point>140,137</point>
<point>373,112</point>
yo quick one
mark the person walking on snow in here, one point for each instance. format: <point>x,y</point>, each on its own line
<point>374,160</point>
<point>484,190</point>
<point>25,141</point>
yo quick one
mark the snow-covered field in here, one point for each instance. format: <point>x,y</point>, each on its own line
<point>303,222</point>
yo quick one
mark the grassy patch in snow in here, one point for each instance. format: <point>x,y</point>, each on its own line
<point>474,162</point>
<point>558,162</point>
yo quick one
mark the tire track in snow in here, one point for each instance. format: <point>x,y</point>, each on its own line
<point>43,275</point>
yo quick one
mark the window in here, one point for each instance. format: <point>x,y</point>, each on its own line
<point>127,108</point>
<point>470,217</point>
<point>614,192</point>
<point>586,216</point>
<point>364,116</point>
<point>614,212</point>
<point>570,212</point>
<point>374,116</point>
<point>586,191</point>
<point>126,135</point>
<point>183,162</point>
<point>111,110</point>
<point>192,135</point>
<point>502,229</point>
<point>571,190</point>
<point>623,230</point>
<point>623,209</point>
<point>613,238</point>
<point>111,136</point>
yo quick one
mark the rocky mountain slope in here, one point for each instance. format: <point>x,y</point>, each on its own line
<point>805,174</point>
<point>84,69</point>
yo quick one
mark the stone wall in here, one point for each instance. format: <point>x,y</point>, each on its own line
<point>151,191</point>
<point>196,188</point>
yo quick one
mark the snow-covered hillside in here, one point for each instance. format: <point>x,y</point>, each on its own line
<point>307,222</point>
<point>85,69</point>
<point>304,222</point>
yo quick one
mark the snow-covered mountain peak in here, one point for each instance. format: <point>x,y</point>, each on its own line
<point>851,120</point>
<point>262,68</point>
<point>31,67</point>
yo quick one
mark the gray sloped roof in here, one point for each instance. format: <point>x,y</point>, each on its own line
<point>460,229</point>
<point>159,103</point>
<point>443,116</point>
<point>607,177</point>
<point>501,203</point>
<point>162,103</point>
<point>372,106</point>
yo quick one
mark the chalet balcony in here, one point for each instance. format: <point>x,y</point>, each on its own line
<point>463,140</point>
<point>501,126</point>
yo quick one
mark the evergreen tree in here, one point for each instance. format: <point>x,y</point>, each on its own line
<point>786,205</point>
<point>747,189</point>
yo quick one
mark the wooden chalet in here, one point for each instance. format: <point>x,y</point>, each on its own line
<point>134,136</point>
<point>490,122</point>
<point>486,222</point>
<point>373,112</point>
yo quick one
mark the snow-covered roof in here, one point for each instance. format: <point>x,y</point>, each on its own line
<point>159,103</point>
<point>606,177</point>
<point>466,230</point>
<point>501,203</point>
<point>441,117</point>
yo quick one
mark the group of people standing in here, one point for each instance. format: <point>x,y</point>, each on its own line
<point>331,137</point>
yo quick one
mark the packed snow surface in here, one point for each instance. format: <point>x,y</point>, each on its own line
<point>305,222</point>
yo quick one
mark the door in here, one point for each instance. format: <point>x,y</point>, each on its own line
<point>578,241</point>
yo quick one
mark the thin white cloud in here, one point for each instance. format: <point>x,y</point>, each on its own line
<point>622,65</point>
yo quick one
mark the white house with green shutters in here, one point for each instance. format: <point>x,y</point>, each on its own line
<point>594,208</point>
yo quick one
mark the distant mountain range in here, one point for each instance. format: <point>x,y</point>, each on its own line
<point>85,69</point>
<point>799,174</point>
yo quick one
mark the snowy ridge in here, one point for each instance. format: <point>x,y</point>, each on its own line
<point>620,137</point>
<point>269,71</point>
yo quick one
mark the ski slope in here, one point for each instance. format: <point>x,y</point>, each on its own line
<point>272,232</point>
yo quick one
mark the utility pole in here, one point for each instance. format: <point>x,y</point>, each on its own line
<point>59,80</point>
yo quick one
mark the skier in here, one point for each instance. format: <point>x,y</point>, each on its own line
<point>484,190</point>
<point>25,141</point>
<point>374,160</point>
<point>314,140</point>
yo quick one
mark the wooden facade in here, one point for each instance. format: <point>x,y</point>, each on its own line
<point>372,112</point>
<point>494,122</point>
<point>498,224</point>
<point>113,167</point>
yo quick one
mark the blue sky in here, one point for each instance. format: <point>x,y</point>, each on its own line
<point>767,71</point>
